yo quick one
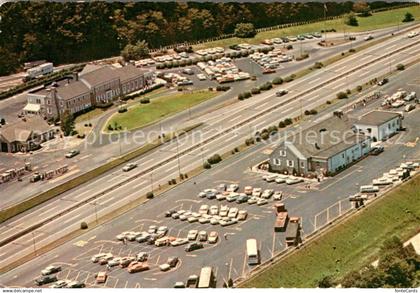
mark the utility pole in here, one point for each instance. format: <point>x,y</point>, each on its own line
<point>96,211</point>
<point>151,182</point>
<point>33,240</point>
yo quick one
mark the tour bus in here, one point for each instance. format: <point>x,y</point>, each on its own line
<point>206,279</point>
<point>252,252</point>
<point>369,189</point>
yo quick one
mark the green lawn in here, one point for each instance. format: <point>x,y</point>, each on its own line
<point>143,114</point>
<point>376,21</point>
<point>351,244</point>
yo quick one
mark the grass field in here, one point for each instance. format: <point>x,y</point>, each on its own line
<point>376,21</point>
<point>143,114</point>
<point>349,245</point>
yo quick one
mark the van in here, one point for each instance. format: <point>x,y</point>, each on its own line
<point>368,189</point>
<point>162,241</point>
<point>409,107</point>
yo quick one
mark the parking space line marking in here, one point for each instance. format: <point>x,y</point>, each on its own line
<point>244,265</point>
<point>274,244</point>
<point>157,261</point>
<point>115,286</point>
<point>77,276</point>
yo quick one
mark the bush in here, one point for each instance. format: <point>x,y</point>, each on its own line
<point>236,150</point>
<point>400,67</point>
<point>2,121</point>
<point>216,158</point>
<point>255,91</point>
<point>318,65</point>
<point>241,97</point>
<point>206,165</point>
<point>302,57</point>
<point>149,195</point>
<point>352,50</point>
<point>288,121</point>
<point>307,112</point>
<point>352,20</point>
<point>83,225</point>
<point>110,128</point>
<point>288,78</point>
<point>245,30</point>
<point>173,181</point>
<point>359,88</point>
<point>348,91</point>
<point>266,86</point>
<point>222,88</point>
<point>247,95</point>
<point>278,80</point>
<point>282,124</point>
<point>328,102</point>
<point>265,135</point>
<point>145,101</point>
<point>249,141</point>
<point>342,95</point>
<point>289,47</point>
<point>408,17</point>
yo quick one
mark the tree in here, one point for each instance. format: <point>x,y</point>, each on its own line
<point>326,282</point>
<point>352,20</point>
<point>67,124</point>
<point>135,52</point>
<point>361,7</point>
<point>408,17</point>
<point>245,30</point>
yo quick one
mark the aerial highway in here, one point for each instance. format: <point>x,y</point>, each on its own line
<point>223,130</point>
<point>99,150</point>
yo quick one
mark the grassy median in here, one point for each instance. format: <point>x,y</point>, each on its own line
<point>377,21</point>
<point>158,108</point>
<point>349,245</point>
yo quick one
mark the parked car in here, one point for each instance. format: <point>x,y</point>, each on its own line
<point>202,236</point>
<point>377,150</point>
<point>267,193</point>
<point>262,201</point>
<point>193,246</point>
<point>252,200</point>
<point>143,237</point>
<point>114,262</point>
<point>233,212</point>
<point>135,267</point>
<point>142,256</point>
<point>164,267</point>
<point>412,34</point>
<point>50,270</point>
<point>213,237</point>
<point>221,187</point>
<point>125,261</point>
<point>242,214</point>
<point>409,97</point>
<point>72,154</point>
<point>98,256</point>
<point>204,209</point>
<point>169,213</point>
<point>162,230</point>
<point>46,280</point>
<point>60,284</point>
<point>233,188</point>
<point>257,191</point>
<point>101,277</point>
<point>224,210</point>
<point>232,197</point>
<point>270,178</point>
<point>179,285</point>
<point>291,181</point>
<point>409,107</point>
<point>368,38</point>
<point>192,235</point>
<point>242,198</point>
<point>179,241</point>
<point>76,284</point>
<point>129,167</point>
<point>229,222</point>
<point>278,195</point>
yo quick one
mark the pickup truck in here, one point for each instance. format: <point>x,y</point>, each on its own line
<point>292,232</point>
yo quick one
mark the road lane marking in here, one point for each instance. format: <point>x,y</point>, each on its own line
<point>314,80</point>
<point>338,86</point>
<point>314,97</point>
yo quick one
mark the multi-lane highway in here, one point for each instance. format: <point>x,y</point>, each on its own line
<point>223,130</point>
<point>98,151</point>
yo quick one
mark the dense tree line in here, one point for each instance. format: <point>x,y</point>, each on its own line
<point>70,32</point>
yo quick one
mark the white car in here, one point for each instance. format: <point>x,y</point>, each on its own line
<point>162,230</point>
<point>252,200</point>
<point>411,96</point>
<point>262,201</point>
<point>257,191</point>
<point>185,216</point>
<point>129,167</point>
<point>98,256</point>
<point>242,214</point>
<point>233,188</point>
<point>233,212</point>
<point>197,215</point>
<point>267,193</point>
<point>202,194</point>
<point>133,235</point>
<point>164,267</point>
<point>204,209</point>
<point>213,236</point>
<point>192,235</point>
<point>280,179</point>
<point>224,223</point>
<point>291,181</point>
<point>398,104</point>
<point>202,236</point>
<point>214,210</point>
<point>204,220</point>
<point>214,221</point>
<point>50,270</point>
<point>232,197</point>
<point>413,34</point>
<point>201,76</point>
<point>270,178</point>
<point>152,229</point>
<point>278,195</point>
<point>224,210</point>
<point>221,196</point>
<point>123,235</point>
<point>114,262</point>
<point>179,241</point>
<point>192,219</point>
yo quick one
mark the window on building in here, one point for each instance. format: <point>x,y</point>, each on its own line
<point>290,163</point>
<point>302,164</point>
<point>277,162</point>
<point>282,153</point>
<point>369,130</point>
<point>389,125</point>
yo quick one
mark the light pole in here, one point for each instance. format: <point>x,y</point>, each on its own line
<point>33,240</point>
<point>177,155</point>
<point>151,182</point>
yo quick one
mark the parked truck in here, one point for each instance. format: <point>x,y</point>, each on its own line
<point>282,217</point>
<point>38,71</point>
<point>293,232</point>
<point>192,281</point>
